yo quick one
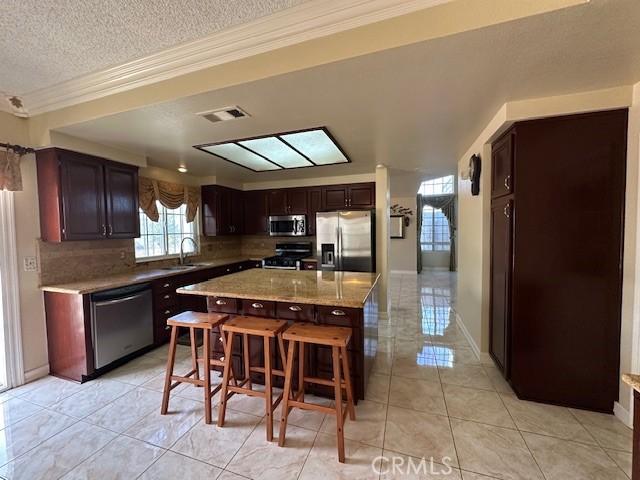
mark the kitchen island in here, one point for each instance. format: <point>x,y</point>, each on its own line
<point>326,298</point>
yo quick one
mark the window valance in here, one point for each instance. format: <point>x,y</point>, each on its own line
<point>171,195</point>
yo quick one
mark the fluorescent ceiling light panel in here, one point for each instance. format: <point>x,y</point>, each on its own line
<point>316,145</point>
<point>277,151</point>
<point>300,149</point>
<point>237,154</point>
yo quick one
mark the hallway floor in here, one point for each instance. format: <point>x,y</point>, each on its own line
<point>430,397</point>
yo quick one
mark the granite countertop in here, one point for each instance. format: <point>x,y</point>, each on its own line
<point>632,380</point>
<point>340,289</point>
<point>93,285</point>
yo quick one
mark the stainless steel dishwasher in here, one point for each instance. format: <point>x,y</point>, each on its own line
<point>121,322</point>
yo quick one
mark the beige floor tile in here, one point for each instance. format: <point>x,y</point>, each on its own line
<point>449,355</point>
<point>16,409</point>
<point>305,418</point>
<point>564,460</point>
<point>215,445</point>
<point>472,376</point>
<point>90,399</point>
<point>24,435</point>
<point>127,410</point>
<point>138,371</point>
<point>124,457</point>
<point>52,392</point>
<point>230,476</point>
<point>164,430</point>
<point>477,405</point>
<point>546,420</point>
<point>418,368</point>
<point>262,460</point>
<point>59,454</point>
<point>382,363</point>
<point>475,476</point>
<point>497,380</point>
<point>172,466</point>
<point>395,466</point>
<point>417,395</point>
<point>622,459</point>
<point>493,451</point>
<point>419,435</point>
<point>608,431</point>
<point>322,462</point>
<point>377,389</point>
<point>368,427</point>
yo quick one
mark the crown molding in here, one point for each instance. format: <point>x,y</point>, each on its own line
<point>298,24</point>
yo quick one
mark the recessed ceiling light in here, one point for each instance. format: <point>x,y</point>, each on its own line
<point>279,151</point>
<point>182,169</point>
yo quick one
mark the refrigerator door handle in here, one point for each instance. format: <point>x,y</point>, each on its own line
<point>340,245</point>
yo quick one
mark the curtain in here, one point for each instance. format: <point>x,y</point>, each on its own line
<point>419,206</point>
<point>446,203</point>
<point>171,195</point>
<point>10,176</point>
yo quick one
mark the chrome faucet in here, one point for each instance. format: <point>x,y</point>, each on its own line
<point>184,256</point>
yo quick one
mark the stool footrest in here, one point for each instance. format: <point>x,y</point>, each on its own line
<point>311,406</point>
<point>279,373</point>
<point>323,381</point>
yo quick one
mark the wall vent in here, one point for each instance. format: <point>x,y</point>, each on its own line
<point>224,114</point>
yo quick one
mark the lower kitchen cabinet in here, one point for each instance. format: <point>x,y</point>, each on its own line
<point>318,358</point>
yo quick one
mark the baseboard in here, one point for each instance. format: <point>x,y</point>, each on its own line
<point>622,414</point>
<point>467,335</point>
<point>36,373</point>
<point>413,272</point>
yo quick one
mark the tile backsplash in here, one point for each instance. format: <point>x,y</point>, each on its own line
<point>79,260</point>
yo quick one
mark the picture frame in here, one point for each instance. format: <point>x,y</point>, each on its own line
<point>396,227</point>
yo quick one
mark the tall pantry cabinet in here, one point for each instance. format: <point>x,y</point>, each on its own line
<point>557,223</point>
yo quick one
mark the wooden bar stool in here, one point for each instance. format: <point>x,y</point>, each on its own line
<point>337,338</point>
<point>266,328</point>
<point>206,322</point>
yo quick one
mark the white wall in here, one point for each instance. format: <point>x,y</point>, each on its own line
<point>382,235</point>
<point>403,251</point>
<point>474,218</point>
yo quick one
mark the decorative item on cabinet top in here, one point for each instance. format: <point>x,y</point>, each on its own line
<point>404,212</point>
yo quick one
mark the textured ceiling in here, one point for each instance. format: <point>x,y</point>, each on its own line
<point>416,108</point>
<point>44,42</point>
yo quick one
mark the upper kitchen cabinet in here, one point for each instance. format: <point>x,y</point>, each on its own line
<point>355,195</point>
<point>288,201</point>
<point>502,165</point>
<point>222,211</point>
<point>314,205</point>
<point>83,197</point>
<point>255,212</point>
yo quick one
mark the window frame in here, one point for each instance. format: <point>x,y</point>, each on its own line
<point>162,210</point>
<point>433,233</point>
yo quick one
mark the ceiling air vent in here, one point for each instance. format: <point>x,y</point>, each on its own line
<point>224,114</point>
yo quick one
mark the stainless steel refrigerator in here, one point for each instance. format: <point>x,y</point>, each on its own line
<point>345,240</point>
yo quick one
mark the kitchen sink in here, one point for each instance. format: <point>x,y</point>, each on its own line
<point>186,266</point>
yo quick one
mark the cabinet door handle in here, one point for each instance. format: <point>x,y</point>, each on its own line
<point>257,305</point>
<point>110,230</point>
<point>167,312</point>
<point>167,297</point>
<point>220,302</point>
<point>166,285</point>
<point>104,230</point>
<point>507,211</point>
<point>507,182</point>
<point>228,269</point>
<point>338,313</point>
<point>167,327</point>
<point>295,308</point>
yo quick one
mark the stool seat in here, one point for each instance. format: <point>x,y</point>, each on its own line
<point>263,327</point>
<point>197,320</point>
<point>318,334</point>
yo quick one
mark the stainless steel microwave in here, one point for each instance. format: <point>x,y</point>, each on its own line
<point>288,225</point>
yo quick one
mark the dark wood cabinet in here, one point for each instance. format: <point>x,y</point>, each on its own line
<point>555,318</point>
<point>278,202</point>
<point>222,211</point>
<point>83,197</point>
<point>314,205</point>
<point>502,152</point>
<point>256,212</point>
<point>122,207</point>
<point>356,195</point>
<point>501,263</point>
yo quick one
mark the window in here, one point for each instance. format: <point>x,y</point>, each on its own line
<point>162,238</point>
<point>437,186</point>
<point>435,230</point>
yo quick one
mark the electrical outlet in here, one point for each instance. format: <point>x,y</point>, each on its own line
<point>122,255</point>
<point>30,264</point>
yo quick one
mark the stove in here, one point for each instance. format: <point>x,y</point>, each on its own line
<point>288,256</point>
